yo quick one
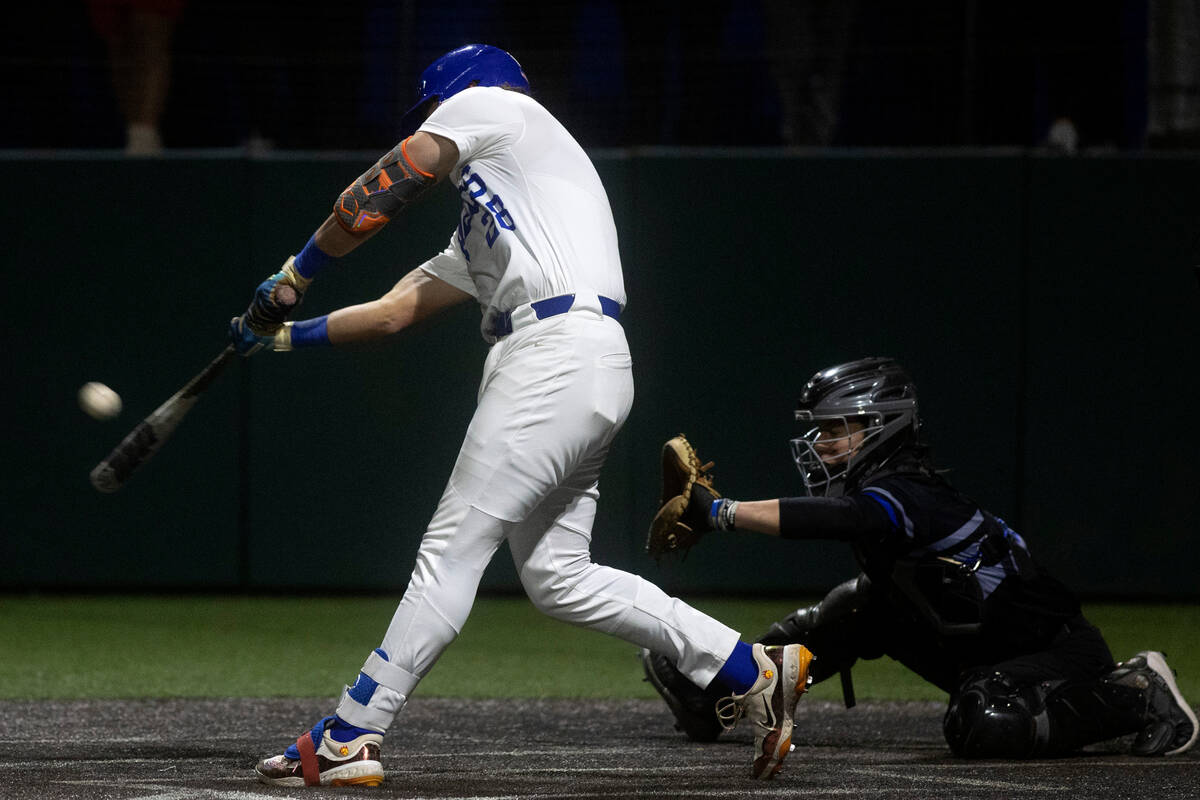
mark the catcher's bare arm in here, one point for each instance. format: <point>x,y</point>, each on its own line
<point>760,516</point>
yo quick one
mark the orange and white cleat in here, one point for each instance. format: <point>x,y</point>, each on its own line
<point>770,704</point>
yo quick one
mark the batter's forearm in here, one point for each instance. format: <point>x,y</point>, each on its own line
<point>336,240</point>
<point>359,323</point>
<point>416,297</point>
<point>367,321</point>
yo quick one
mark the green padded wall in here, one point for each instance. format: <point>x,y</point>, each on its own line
<point>1046,308</point>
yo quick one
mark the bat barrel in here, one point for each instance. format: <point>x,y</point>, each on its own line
<point>143,441</point>
<point>104,478</point>
<point>133,451</point>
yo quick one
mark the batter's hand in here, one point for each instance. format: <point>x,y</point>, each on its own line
<point>274,299</point>
<point>247,343</point>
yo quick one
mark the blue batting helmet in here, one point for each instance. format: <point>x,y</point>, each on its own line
<point>469,65</point>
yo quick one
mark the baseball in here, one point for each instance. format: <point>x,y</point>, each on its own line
<point>99,401</point>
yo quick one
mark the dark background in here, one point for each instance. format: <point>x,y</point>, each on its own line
<point>1045,303</point>
<point>634,72</point>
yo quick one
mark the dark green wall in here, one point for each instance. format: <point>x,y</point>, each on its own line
<point>1046,308</point>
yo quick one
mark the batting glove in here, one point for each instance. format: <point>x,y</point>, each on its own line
<point>246,342</point>
<point>274,299</point>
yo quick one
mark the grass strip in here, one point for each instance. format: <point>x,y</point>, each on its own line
<point>83,647</point>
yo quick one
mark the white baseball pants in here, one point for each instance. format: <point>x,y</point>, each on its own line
<point>554,394</point>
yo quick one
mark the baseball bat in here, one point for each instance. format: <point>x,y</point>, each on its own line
<point>145,439</point>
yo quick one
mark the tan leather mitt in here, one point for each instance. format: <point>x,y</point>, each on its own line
<point>687,495</point>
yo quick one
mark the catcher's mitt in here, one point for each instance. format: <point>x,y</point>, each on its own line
<point>687,495</point>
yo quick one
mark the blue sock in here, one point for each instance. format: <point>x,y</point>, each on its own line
<point>312,259</point>
<point>342,731</point>
<point>339,730</point>
<point>740,671</point>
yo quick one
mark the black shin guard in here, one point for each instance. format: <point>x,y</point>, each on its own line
<point>991,716</point>
<point>827,629</point>
<point>1084,713</point>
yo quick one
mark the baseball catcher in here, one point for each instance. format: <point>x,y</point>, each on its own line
<point>946,588</point>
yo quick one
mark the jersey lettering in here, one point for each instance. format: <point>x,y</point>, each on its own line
<point>478,200</point>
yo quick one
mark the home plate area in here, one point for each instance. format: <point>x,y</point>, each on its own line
<point>451,748</point>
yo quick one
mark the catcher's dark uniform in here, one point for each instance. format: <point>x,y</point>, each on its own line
<point>946,587</point>
<point>951,592</point>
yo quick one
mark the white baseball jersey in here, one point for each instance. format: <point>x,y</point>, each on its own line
<point>535,220</point>
<point>555,391</point>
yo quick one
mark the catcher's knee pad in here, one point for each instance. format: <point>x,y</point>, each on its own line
<point>841,601</point>
<point>990,717</point>
<point>793,628</point>
<point>846,598</point>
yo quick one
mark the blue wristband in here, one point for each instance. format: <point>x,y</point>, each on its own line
<point>311,332</point>
<point>722,513</point>
<point>312,259</point>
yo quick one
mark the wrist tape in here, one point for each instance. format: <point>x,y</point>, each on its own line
<point>305,333</point>
<point>722,514</point>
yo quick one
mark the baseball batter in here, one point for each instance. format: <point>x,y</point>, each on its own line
<point>536,247</point>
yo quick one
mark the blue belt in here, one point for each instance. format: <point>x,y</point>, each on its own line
<point>552,307</point>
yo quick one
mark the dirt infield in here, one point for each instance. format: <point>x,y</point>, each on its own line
<point>206,749</point>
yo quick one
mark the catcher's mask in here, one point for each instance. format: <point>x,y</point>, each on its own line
<point>870,405</point>
<point>469,65</point>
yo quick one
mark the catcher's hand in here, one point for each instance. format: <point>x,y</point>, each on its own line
<point>687,496</point>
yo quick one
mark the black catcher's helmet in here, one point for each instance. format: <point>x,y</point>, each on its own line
<point>874,392</point>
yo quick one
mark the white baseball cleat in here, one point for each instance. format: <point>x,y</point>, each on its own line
<point>331,763</point>
<point>770,704</point>
<point>1171,724</point>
